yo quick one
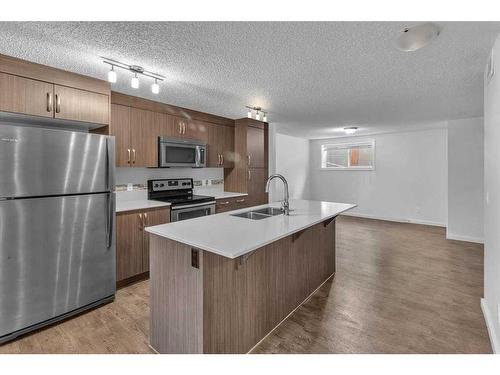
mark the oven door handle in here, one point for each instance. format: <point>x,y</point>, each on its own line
<point>195,205</point>
<point>192,205</point>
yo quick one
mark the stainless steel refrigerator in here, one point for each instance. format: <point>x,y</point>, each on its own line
<point>57,227</point>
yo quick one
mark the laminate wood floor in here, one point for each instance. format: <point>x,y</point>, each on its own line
<point>399,288</point>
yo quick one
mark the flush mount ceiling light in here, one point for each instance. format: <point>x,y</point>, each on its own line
<point>350,130</point>
<point>136,69</point>
<point>260,115</point>
<point>413,38</point>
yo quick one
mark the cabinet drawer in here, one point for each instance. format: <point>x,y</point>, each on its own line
<point>229,204</point>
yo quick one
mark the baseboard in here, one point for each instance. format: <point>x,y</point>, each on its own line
<point>451,236</point>
<point>490,325</point>
<point>396,220</point>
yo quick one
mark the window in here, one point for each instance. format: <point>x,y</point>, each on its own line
<point>349,156</point>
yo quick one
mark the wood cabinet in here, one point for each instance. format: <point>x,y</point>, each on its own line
<point>136,136</point>
<point>132,241</point>
<point>144,131</point>
<point>230,204</point>
<point>251,161</point>
<point>80,105</point>
<point>28,96</point>
<point>129,239</point>
<point>120,128</point>
<point>256,183</point>
<point>256,147</point>
<point>137,130</point>
<point>220,146</point>
<point>38,90</point>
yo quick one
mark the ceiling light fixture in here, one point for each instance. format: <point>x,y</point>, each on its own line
<point>260,115</point>
<point>136,69</point>
<point>112,75</point>
<point>155,87</point>
<point>350,130</point>
<point>134,82</point>
<point>413,38</point>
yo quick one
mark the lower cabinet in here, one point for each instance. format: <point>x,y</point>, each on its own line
<point>230,204</point>
<point>132,242</point>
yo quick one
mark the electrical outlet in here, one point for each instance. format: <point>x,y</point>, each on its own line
<point>417,210</point>
<point>130,187</point>
<point>487,198</point>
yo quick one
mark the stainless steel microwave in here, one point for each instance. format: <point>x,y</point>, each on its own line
<point>180,152</point>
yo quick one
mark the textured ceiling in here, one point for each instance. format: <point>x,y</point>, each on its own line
<point>311,77</point>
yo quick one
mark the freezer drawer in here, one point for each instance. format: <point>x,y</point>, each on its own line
<point>38,162</point>
<point>56,255</point>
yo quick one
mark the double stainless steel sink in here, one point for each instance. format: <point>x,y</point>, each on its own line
<point>260,214</point>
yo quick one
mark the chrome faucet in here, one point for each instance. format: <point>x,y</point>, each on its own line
<point>285,206</point>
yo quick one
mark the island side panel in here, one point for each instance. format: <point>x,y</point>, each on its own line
<point>244,302</point>
<point>176,323</point>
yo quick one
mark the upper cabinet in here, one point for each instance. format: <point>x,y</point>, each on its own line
<point>38,90</point>
<point>255,147</point>
<point>137,123</point>
<point>220,146</point>
<point>136,134</point>
<point>28,96</point>
<point>80,105</point>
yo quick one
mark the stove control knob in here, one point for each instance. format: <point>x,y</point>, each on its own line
<point>162,185</point>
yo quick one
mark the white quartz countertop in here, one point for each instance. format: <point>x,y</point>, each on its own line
<point>232,236</point>
<point>138,204</point>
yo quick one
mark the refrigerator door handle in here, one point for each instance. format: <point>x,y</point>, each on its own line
<point>110,219</point>
<point>110,164</point>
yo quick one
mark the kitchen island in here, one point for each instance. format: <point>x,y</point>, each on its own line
<point>221,283</point>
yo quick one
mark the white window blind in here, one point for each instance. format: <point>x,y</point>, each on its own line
<point>353,155</point>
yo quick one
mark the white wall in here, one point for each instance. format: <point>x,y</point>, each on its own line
<point>409,182</point>
<point>491,301</point>
<point>292,161</point>
<point>465,180</point>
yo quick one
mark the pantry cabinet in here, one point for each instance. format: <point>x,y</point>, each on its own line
<point>251,161</point>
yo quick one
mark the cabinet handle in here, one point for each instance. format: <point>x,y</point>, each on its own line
<point>133,156</point>
<point>142,222</point>
<point>183,128</point>
<point>240,200</point>
<point>128,160</point>
<point>49,102</point>
<point>249,159</point>
<point>146,218</point>
<point>222,161</point>
<point>180,127</point>
<point>249,175</point>
<point>223,203</point>
<point>58,103</point>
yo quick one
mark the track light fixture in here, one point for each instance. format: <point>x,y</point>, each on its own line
<point>260,115</point>
<point>136,69</point>
<point>112,75</point>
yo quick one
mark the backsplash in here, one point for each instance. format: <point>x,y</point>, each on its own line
<point>139,177</point>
